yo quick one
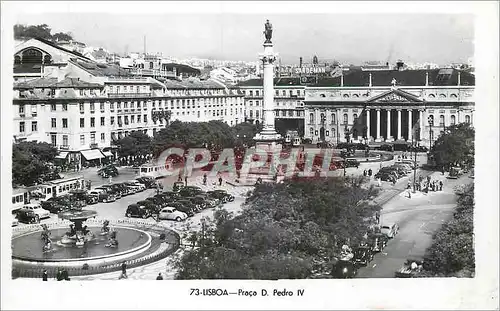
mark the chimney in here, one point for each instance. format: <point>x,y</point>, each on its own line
<point>387,64</point>
<point>426,78</point>
<point>370,80</point>
<point>341,77</point>
<point>300,62</point>
<point>458,78</point>
<point>399,65</point>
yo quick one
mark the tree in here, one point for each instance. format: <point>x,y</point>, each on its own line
<point>245,132</point>
<point>22,32</point>
<point>287,230</point>
<point>452,250</point>
<point>135,144</point>
<point>61,36</point>
<point>31,161</point>
<point>455,146</point>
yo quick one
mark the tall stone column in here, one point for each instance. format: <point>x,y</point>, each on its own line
<point>378,126</point>
<point>399,124</point>
<point>409,124</point>
<point>368,134</point>
<point>421,122</point>
<point>389,136</point>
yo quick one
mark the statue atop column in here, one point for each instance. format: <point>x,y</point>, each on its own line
<point>268,32</point>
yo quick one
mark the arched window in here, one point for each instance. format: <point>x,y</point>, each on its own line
<point>334,121</point>
<point>327,133</point>
<point>346,95</point>
<point>432,95</point>
<point>355,117</point>
<point>346,118</point>
<point>441,120</point>
<point>333,132</point>
<point>467,119</point>
<point>311,118</point>
<point>32,56</point>
<point>47,59</point>
<point>323,118</point>
<point>452,120</point>
<point>453,95</point>
<point>322,95</point>
<point>17,60</point>
<point>442,96</point>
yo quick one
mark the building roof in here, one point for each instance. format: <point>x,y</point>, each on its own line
<point>53,83</point>
<point>181,67</point>
<point>60,48</point>
<point>437,77</point>
<point>192,83</point>
<point>98,69</point>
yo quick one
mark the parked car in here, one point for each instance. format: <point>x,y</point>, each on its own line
<point>154,208</point>
<point>27,216</point>
<point>352,163</point>
<point>190,191</point>
<point>347,153</point>
<point>148,182</point>
<point>405,167</point>
<point>171,213</point>
<point>421,149</point>
<point>386,147</point>
<point>157,201</point>
<point>178,185</point>
<point>198,202</point>
<point>108,171</point>
<point>91,199</point>
<point>15,222</point>
<point>377,241</point>
<point>110,189</point>
<point>343,269</point>
<point>362,255</point>
<point>222,195</point>
<point>140,211</point>
<point>38,210</point>
<point>212,202</point>
<point>390,230</point>
<point>55,205</point>
<point>103,196</point>
<point>124,190</point>
<point>188,209</point>
<point>324,144</point>
<point>137,184</point>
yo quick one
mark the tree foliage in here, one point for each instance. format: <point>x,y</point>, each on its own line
<point>285,231</point>
<point>452,251</point>
<point>43,31</point>
<point>135,144</point>
<point>245,132</point>
<point>455,146</point>
<point>31,161</point>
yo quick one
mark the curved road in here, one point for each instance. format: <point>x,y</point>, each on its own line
<point>418,218</point>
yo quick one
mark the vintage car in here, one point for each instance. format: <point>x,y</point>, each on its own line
<point>343,269</point>
<point>410,268</point>
<point>171,213</point>
<point>152,207</point>
<point>362,255</point>
<point>108,171</point>
<point>140,211</point>
<point>222,195</point>
<point>178,185</point>
<point>190,191</point>
<point>38,210</point>
<point>390,230</point>
<point>188,209</point>
<point>377,241</point>
<point>352,163</point>
<point>27,216</point>
<point>148,182</point>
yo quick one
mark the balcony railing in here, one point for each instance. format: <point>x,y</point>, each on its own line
<point>93,145</point>
<point>113,95</point>
<point>64,147</point>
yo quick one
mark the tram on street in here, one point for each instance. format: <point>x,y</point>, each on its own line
<point>20,197</point>
<point>60,187</point>
<point>155,170</point>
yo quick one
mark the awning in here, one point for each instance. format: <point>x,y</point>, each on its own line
<point>92,154</point>
<point>62,155</point>
<point>107,154</point>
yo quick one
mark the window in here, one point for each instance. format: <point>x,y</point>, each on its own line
<point>65,140</point>
<point>322,117</point>
<point>441,120</point>
<point>53,139</point>
<point>139,119</point>
<point>102,121</point>
<point>82,139</point>
<point>82,122</point>
<point>112,120</point>
<point>311,118</point>
<point>256,93</point>
<point>53,123</point>
<point>101,106</point>
<point>112,106</point>
<point>118,105</point>
<point>34,126</point>
<point>92,122</point>
<point>290,113</point>
<point>52,107</point>
<point>145,118</point>
<point>277,93</point>
<point>65,107</point>
<point>132,119</point>
<point>82,108</point>
<point>92,138</point>
<point>333,132</point>
<point>284,93</point>
<point>452,120</point>
<point>355,117</point>
<point>125,105</point>
<point>430,120</point>
<point>92,108</point>
<point>251,93</point>
<point>346,118</point>
<point>257,114</point>
<point>198,112</point>
<point>467,119</point>
<point>125,119</point>
<point>251,113</point>
<point>103,137</point>
<point>334,121</point>
<point>291,93</point>
<point>65,123</point>
<point>21,109</point>
<point>21,127</point>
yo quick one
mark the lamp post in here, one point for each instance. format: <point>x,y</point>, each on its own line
<point>431,122</point>
<point>346,132</point>
<point>414,144</point>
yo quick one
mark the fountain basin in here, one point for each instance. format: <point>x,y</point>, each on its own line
<point>28,247</point>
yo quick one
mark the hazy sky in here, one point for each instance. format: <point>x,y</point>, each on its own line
<point>352,38</point>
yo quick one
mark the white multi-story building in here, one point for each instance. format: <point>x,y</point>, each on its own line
<point>81,106</point>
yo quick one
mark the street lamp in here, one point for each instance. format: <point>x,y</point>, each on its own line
<point>430,119</point>
<point>346,132</point>
<point>414,144</point>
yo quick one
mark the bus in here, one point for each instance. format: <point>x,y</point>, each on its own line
<point>292,138</point>
<point>60,187</point>
<point>155,170</point>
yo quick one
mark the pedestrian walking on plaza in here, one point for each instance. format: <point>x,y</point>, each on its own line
<point>65,275</point>
<point>59,275</point>
<point>364,173</point>
<point>378,182</point>
<point>124,271</point>
<point>186,180</point>
<point>180,177</point>
<point>45,275</point>
<point>205,179</point>
<point>370,172</point>
<point>377,217</point>
<point>440,185</point>
<point>220,180</point>
<point>159,277</point>
<point>393,181</point>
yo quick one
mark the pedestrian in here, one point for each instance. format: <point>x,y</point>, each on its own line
<point>409,194</point>
<point>159,277</point>
<point>65,275</point>
<point>59,275</point>
<point>370,172</point>
<point>377,216</point>
<point>124,271</point>
<point>186,181</point>
<point>409,185</point>
<point>180,177</point>
<point>220,180</point>
<point>45,275</point>
<point>393,181</point>
<point>364,173</point>
<point>378,182</point>
<point>205,179</point>
<point>440,185</point>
